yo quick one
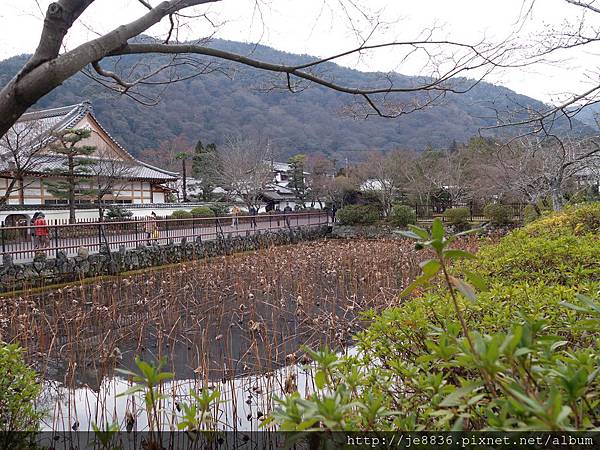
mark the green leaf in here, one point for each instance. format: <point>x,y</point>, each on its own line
<point>467,232</point>
<point>455,397</point>
<point>131,390</point>
<point>420,281</point>
<point>437,229</point>
<point>419,231</point>
<point>410,235</point>
<point>320,379</point>
<point>430,267</point>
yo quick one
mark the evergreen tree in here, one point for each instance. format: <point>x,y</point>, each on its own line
<point>69,185</point>
<point>183,157</point>
<point>297,179</point>
<point>205,168</point>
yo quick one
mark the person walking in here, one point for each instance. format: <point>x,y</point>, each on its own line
<point>287,211</point>
<point>253,212</point>
<point>151,228</point>
<point>41,232</point>
<point>235,211</point>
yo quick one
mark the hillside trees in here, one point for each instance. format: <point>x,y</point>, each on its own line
<point>48,68</point>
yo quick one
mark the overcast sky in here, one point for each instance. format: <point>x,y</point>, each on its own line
<point>320,28</point>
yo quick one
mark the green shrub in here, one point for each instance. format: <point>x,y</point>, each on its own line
<point>19,390</point>
<point>498,214</point>
<point>202,211</point>
<point>458,217</point>
<point>116,212</point>
<point>520,352</point>
<point>357,215</point>
<point>402,215</point>
<point>180,214</point>
<point>220,209</point>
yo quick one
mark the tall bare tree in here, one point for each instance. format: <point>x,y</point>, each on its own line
<point>108,177</point>
<point>379,175</point>
<point>244,168</point>
<point>538,168</point>
<point>444,60</point>
<point>321,171</point>
<point>579,31</point>
<point>21,151</point>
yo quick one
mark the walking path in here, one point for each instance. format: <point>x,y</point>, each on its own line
<point>24,251</point>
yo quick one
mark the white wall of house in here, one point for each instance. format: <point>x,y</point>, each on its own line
<point>35,192</point>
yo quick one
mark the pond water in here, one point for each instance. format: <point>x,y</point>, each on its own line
<point>223,322</point>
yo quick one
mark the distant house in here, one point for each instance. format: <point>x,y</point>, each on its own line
<point>140,184</point>
<point>278,194</point>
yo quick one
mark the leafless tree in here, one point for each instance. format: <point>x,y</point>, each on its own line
<point>447,171</point>
<point>244,168</point>
<point>538,168</point>
<point>21,151</point>
<point>443,59</point>
<point>578,32</point>
<point>321,171</point>
<point>380,176</point>
<point>108,178</point>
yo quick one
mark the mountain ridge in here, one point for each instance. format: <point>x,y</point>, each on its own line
<point>210,107</point>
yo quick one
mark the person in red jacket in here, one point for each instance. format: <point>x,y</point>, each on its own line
<point>41,233</point>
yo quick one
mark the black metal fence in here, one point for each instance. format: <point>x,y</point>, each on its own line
<point>22,242</point>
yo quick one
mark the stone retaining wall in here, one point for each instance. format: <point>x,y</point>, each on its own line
<point>43,270</point>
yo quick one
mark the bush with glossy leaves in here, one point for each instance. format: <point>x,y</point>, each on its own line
<point>479,349</point>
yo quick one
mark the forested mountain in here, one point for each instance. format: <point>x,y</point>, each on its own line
<point>212,106</point>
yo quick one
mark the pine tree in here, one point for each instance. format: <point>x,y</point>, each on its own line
<point>297,179</point>
<point>75,165</point>
<point>205,168</point>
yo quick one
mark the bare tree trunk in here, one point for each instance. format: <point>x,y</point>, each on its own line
<point>9,190</point>
<point>558,200</point>
<point>184,176</point>
<point>71,191</point>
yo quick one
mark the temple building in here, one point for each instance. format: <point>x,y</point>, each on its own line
<point>27,150</point>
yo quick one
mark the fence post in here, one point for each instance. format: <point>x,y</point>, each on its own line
<point>3,238</point>
<point>56,239</point>
<point>137,239</point>
<point>471,209</point>
<point>99,237</point>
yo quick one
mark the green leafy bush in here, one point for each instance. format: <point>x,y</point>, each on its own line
<point>179,214</point>
<point>402,215</point>
<point>498,214</point>
<point>512,344</point>
<point>202,211</point>
<point>220,209</point>
<point>357,215</point>
<point>116,212</point>
<point>458,217</point>
<point>19,390</point>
